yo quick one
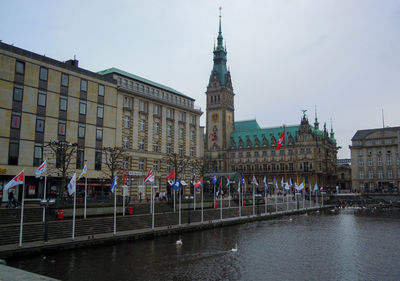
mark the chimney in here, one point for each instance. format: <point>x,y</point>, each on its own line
<point>73,62</point>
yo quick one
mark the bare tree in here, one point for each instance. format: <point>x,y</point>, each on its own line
<point>113,159</point>
<point>64,154</point>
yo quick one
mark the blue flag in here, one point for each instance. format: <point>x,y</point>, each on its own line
<point>243,182</point>
<point>265,185</point>
<point>113,185</point>
<point>214,179</point>
<point>177,184</point>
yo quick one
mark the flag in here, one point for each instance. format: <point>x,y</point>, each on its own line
<point>265,184</point>
<point>198,184</point>
<point>291,183</point>
<point>243,182</point>
<point>72,185</point>
<point>321,189</point>
<point>276,183</point>
<point>149,177</point>
<point>123,176</point>
<point>219,186</point>
<point>41,169</point>
<point>177,184</point>
<point>316,187</point>
<point>300,187</point>
<point>113,185</point>
<point>228,182</point>
<point>170,176</point>
<point>239,187</point>
<point>255,180</point>
<point>214,179</point>
<point>18,179</point>
<point>287,187</point>
<point>84,172</point>
<point>282,183</point>
<point>281,140</point>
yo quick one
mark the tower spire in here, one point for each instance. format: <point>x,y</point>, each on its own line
<point>332,134</point>
<point>316,123</point>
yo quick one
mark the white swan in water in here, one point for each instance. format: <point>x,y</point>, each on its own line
<point>235,249</point>
<point>179,242</point>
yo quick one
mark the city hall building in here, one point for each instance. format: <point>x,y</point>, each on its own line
<point>308,152</point>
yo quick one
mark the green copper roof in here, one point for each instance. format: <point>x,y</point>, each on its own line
<point>141,79</point>
<point>250,128</point>
<point>220,59</point>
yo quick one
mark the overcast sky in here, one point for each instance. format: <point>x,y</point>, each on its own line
<point>284,55</point>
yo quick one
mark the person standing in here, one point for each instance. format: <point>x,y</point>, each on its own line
<point>11,200</point>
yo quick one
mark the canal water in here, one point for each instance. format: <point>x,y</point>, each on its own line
<point>349,244</point>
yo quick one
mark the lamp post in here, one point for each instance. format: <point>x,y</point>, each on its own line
<point>46,203</point>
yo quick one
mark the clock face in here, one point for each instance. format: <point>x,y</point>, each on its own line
<point>215,117</point>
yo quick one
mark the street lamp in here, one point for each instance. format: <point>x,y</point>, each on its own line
<point>46,203</point>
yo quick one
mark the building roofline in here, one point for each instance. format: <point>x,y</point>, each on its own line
<point>44,59</point>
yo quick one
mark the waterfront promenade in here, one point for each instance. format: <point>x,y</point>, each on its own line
<point>98,229</point>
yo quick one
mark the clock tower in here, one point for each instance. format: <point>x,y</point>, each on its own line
<point>220,109</point>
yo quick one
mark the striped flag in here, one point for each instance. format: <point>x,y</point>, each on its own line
<point>41,169</point>
<point>72,185</point>
<point>113,185</point>
<point>198,184</point>
<point>18,179</point>
<point>84,172</point>
<point>149,177</point>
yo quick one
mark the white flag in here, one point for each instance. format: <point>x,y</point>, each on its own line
<point>72,185</point>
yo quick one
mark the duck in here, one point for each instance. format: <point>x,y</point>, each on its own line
<point>179,242</point>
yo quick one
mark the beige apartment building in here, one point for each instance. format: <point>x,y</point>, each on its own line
<point>154,121</point>
<point>375,160</point>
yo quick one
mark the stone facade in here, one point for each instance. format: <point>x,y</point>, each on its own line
<point>343,174</point>
<point>375,159</point>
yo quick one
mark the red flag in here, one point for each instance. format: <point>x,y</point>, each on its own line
<point>149,176</point>
<point>123,176</point>
<point>198,184</point>
<point>18,179</point>
<point>170,176</point>
<point>281,140</point>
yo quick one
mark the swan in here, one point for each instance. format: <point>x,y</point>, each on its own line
<point>235,249</point>
<point>179,242</point>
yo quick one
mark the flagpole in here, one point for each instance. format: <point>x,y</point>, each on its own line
<point>266,199</point>
<point>276,196</point>
<point>84,213</point>
<point>322,198</point>
<point>229,194</point>
<point>123,200</point>
<point>194,195</point>
<point>316,197</point>
<point>287,198</point>
<point>44,195</point>
<point>240,200</point>
<point>180,205</point>
<point>214,195</point>
<point>202,197</point>
<point>115,210</point>
<point>310,195</point>
<point>254,200</point>
<point>304,196</point>
<point>220,194</point>
<point>22,211</point>
<point>73,216</point>
<point>174,199</point>
<point>152,208</point>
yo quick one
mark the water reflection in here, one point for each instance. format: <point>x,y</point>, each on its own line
<point>340,245</point>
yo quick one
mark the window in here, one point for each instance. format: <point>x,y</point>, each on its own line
<point>127,121</point>
<point>125,163</point>
<point>126,142</point>
<point>142,124</point>
<point>141,144</point>
<point>156,109</point>
<point>18,92</point>
<point>360,153</point>
<point>80,158</point>
<point>37,154</point>
<point>97,160</point>
<point>181,133</point>
<point>101,90</point>
<point>273,153</point>
<point>169,130</point>
<point>99,134</point>
<point>15,120</point>
<point>155,165</point>
<point>141,164</point>
<point>20,67</point>
<point>389,161</point>
<point>192,135</point>
<point>361,163</point>
<point>58,158</point>
<point>168,148</point>
<point>155,147</point>
<point>182,116</point>
<point>371,174</point>
<point>193,119</point>
<point>43,73</point>
<point>170,113</point>
<point>63,103</point>
<point>142,106</point>
<point>13,151</point>
<point>369,162</point>
<point>41,98</point>
<point>256,153</point>
<point>81,131</point>
<point>168,167</point>
<point>100,111</point>
<point>361,174</point>
<point>380,175</point>
<point>61,128</point>
<point>127,102</point>
<point>156,127</point>
<point>379,161</point>
<point>180,150</point>
<point>82,107</point>
<point>64,79</point>
<point>390,174</point>
<point>248,154</point>
<point>84,85</point>
<point>192,151</point>
<point>240,154</point>
<point>39,124</point>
